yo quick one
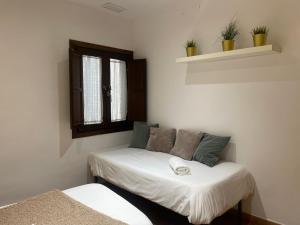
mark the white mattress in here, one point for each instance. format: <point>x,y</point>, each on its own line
<point>202,196</point>
<point>103,200</point>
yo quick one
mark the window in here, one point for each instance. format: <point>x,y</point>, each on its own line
<point>108,89</point>
<point>92,96</point>
<point>118,83</point>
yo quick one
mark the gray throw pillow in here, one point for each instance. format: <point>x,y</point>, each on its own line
<point>140,136</point>
<point>210,149</point>
<point>186,144</point>
<point>161,140</point>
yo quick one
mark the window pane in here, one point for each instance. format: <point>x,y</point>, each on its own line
<point>118,83</point>
<point>92,93</point>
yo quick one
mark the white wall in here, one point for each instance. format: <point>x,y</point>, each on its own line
<point>254,100</point>
<point>37,153</point>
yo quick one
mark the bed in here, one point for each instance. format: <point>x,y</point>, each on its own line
<point>202,196</point>
<point>102,199</point>
<point>107,202</point>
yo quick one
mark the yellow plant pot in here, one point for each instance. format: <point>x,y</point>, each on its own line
<point>259,40</point>
<point>191,51</point>
<point>228,45</point>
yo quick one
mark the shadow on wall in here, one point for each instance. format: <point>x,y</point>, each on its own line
<point>65,134</point>
<point>230,155</point>
<point>259,207</point>
<point>280,67</point>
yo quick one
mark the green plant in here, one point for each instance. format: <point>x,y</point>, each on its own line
<point>260,30</point>
<point>191,44</point>
<point>231,31</point>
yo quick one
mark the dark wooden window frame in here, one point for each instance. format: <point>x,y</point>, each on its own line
<point>105,53</point>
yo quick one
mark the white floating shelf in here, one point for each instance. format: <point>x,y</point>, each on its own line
<point>234,54</point>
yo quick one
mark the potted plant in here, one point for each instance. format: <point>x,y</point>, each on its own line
<point>229,35</point>
<point>191,48</point>
<point>259,35</point>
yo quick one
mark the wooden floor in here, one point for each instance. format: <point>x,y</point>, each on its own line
<point>162,216</point>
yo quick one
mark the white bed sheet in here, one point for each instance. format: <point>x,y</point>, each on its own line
<point>105,201</point>
<point>202,196</point>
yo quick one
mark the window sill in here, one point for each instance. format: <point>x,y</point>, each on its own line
<point>80,133</point>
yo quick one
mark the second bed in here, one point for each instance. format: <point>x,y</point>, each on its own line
<point>202,196</point>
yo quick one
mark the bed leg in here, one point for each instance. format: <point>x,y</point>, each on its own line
<point>239,213</point>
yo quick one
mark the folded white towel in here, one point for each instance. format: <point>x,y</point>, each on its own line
<point>179,167</point>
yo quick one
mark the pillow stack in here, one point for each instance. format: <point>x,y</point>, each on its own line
<point>186,144</point>
<point>210,149</point>
<point>197,146</point>
<point>141,132</point>
<point>161,140</point>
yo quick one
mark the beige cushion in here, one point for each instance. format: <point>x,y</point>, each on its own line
<point>186,144</point>
<point>161,140</point>
<point>53,208</point>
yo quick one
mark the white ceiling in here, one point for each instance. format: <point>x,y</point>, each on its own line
<point>135,8</point>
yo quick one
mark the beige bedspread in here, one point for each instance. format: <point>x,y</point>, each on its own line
<point>53,208</point>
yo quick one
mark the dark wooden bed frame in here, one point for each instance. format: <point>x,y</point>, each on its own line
<point>147,206</point>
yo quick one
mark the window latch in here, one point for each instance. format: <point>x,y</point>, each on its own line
<point>107,90</point>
